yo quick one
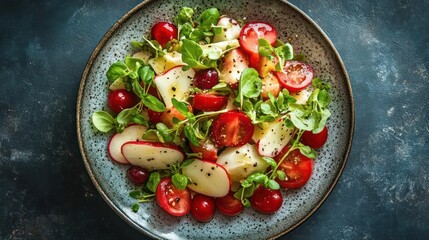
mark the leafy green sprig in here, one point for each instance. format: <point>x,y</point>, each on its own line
<point>283,52</point>
<point>133,71</point>
<point>195,127</point>
<point>201,29</point>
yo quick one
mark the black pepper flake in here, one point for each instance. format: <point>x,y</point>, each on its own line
<point>213,168</point>
<point>174,89</point>
<point>237,152</point>
<point>208,174</point>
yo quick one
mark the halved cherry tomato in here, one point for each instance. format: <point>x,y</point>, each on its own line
<point>295,76</point>
<point>203,208</point>
<point>121,99</point>
<point>229,205</point>
<point>265,200</point>
<point>208,102</point>
<point>252,32</point>
<point>315,140</point>
<point>163,32</point>
<point>207,149</point>
<point>232,129</point>
<point>174,201</point>
<point>154,117</point>
<point>298,168</point>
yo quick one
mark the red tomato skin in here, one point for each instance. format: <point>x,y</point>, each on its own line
<point>163,32</point>
<point>229,205</point>
<point>232,129</point>
<point>208,102</point>
<point>265,200</point>
<point>251,32</point>
<point>315,140</point>
<point>207,149</point>
<point>295,75</point>
<point>176,202</point>
<point>203,208</point>
<point>121,99</point>
<point>154,117</point>
<point>298,168</point>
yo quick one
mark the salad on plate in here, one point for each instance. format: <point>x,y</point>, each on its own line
<point>214,113</point>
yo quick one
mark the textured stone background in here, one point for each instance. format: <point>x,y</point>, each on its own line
<point>45,192</point>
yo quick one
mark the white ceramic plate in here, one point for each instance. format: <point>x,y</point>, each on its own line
<point>109,178</point>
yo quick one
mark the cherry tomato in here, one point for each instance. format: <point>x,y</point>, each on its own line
<point>229,205</point>
<point>163,32</point>
<point>265,200</point>
<point>315,140</point>
<point>298,168</point>
<point>121,99</point>
<point>154,117</point>
<point>208,102</point>
<point>252,32</point>
<point>295,76</point>
<point>137,175</point>
<point>203,208</point>
<point>174,201</point>
<point>206,79</point>
<point>232,129</point>
<point>207,149</point>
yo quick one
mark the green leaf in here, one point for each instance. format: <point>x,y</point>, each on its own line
<point>135,207</point>
<point>307,151</point>
<point>136,194</point>
<point>164,132</point>
<point>134,63</point>
<point>153,103</point>
<point>250,84</point>
<point>179,180</point>
<point>182,107</point>
<point>126,116</point>
<point>260,178</point>
<point>265,49</point>
<point>103,121</point>
<point>141,119</point>
<point>138,89</point>
<point>190,134</point>
<point>271,184</point>
<point>248,191</point>
<point>187,162</point>
<point>270,161</point>
<point>245,202</point>
<point>147,75</point>
<point>191,54</point>
<point>153,181</point>
<point>283,53</point>
<point>208,18</point>
<point>318,83</point>
<point>185,15</point>
<point>281,175</point>
<point>117,70</point>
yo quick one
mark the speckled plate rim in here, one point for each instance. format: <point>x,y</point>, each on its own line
<point>83,84</point>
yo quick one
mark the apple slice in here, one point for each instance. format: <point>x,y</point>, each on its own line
<point>207,178</point>
<point>152,155</point>
<point>166,62</point>
<point>231,30</point>
<point>240,162</point>
<point>272,137</point>
<point>175,83</point>
<point>130,133</point>
<point>234,62</point>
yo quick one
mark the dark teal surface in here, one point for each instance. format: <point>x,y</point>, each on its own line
<point>45,192</point>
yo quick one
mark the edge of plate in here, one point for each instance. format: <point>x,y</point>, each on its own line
<point>94,180</point>
<point>82,85</point>
<point>351,129</point>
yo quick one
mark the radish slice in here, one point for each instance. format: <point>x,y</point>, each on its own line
<point>208,178</point>
<point>130,133</point>
<point>152,155</point>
